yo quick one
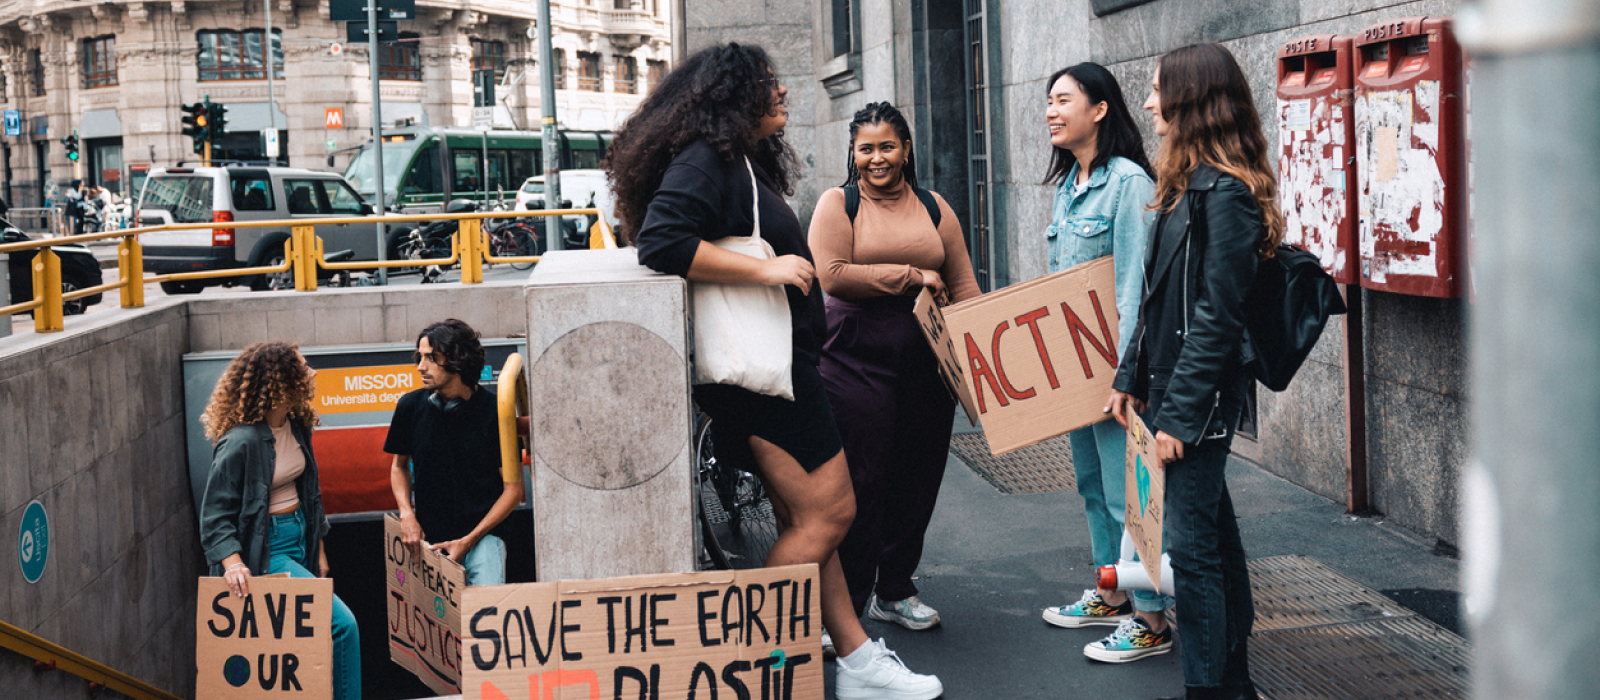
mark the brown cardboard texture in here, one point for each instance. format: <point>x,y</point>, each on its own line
<point>944,349</point>
<point>1037,358</point>
<point>1146,497</point>
<point>276,642</point>
<point>424,604</point>
<point>696,636</point>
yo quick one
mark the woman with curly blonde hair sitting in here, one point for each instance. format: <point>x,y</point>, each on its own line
<point>262,511</point>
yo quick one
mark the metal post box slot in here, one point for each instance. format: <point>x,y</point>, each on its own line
<point>1411,158</point>
<point>1316,129</point>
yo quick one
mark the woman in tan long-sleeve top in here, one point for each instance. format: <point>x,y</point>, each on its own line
<point>878,242</point>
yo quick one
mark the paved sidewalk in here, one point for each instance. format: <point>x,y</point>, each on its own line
<point>994,562</point>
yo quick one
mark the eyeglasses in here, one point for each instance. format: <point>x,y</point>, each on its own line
<point>416,358</point>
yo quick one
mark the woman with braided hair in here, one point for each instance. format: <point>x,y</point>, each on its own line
<point>262,509</point>
<point>880,240</point>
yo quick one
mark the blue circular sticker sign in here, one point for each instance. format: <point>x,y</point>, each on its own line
<point>33,543</point>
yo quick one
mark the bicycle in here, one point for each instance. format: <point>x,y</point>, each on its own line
<point>737,525</point>
<point>511,238</point>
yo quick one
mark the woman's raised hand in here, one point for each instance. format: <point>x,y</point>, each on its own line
<point>789,269</point>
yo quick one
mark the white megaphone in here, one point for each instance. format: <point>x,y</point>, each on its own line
<point>1128,573</point>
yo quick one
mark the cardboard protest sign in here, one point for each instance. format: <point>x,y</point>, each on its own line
<point>944,349</point>
<point>716,634</point>
<point>424,610</point>
<point>1146,497</point>
<point>1034,359</point>
<point>276,642</point>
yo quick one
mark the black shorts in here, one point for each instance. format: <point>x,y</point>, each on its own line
<point>804,427</point>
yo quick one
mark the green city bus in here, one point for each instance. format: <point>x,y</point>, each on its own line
<point>426,167</point>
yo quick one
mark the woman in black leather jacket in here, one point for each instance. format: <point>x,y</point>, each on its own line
<point>1216,198</point>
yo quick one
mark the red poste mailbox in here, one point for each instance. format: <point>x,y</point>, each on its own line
<point>1411,156</point>
<point>1316,137</point>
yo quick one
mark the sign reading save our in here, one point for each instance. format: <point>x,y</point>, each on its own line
<point>722,634</point>
<point>1033,360</point>
<point>275,642</point>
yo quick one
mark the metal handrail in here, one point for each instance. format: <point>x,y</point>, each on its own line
<point>49,655</point>
<point>303,255</point>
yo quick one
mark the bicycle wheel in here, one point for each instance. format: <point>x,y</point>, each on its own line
<point>736,519</point>
<point>523,238</point>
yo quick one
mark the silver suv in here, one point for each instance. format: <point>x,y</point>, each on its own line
<point>244,193</point>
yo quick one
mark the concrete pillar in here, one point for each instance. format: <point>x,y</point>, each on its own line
<point>1531,511</point>
<point>608,376</point>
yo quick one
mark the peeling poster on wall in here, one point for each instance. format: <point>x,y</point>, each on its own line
<point>1402,189</point>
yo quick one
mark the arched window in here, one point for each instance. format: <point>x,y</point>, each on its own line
<point>226,54</point>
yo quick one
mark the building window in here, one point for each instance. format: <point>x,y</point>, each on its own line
<point>623,4</point>
<point>588,71</point>
<point>627,77</point>
<point>36,71</point>
<point>231,55</point>
<point>980,242</point>
<point>657,72</point>
<point>5,94</point>
<point>560,56</point>
<point>489,55</point>
<point>400,60</point>
<point>99,62</point>
<point>843,26</point>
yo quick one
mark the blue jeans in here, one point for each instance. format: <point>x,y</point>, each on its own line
<point>1099,456</point>
<point>1211,578</point>
<point>486,562</point>
<point>289,556</point>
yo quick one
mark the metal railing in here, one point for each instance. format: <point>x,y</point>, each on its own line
<point>303,256</point>
<point>48,656</point>
<point>38,220</point>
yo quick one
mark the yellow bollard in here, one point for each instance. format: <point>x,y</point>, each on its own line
<point>472,248</point>
<point>47,318</point>
<point>304,252</point>
<point>130,265</point>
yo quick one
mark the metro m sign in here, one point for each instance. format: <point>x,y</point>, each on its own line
<point>335,119</point>
<point>1034,360</point>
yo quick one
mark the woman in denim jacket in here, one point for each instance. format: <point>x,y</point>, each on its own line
<point>1101,208</point>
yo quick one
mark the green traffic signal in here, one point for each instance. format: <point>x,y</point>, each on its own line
<point>71,143</point>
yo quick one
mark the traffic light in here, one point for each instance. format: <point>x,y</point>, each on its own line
<point>194,125</point>
<point>71,142</point>
<point>217,121</point>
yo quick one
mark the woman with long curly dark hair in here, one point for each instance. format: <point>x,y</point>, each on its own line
<point>893,410</point>
<point>703,152</point>
<point>1216,199</point>
<point>262,509</point>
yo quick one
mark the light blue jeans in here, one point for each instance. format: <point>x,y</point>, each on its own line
<point>1099,453</point>
<point>289,556</point>
<point>486,563</point>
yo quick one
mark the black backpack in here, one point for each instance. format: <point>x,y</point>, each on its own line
<point>852,202</point>
<point>1284,313</point>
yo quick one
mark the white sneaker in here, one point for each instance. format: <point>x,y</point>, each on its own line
<point>828,652</point>
<point>884,677</point>
<point>910,613</point>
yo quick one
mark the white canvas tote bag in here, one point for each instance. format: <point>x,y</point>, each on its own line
<point>742,334</point>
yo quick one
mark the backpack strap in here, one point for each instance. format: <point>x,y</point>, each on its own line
<point>929,203</point>
<point>852,203</point>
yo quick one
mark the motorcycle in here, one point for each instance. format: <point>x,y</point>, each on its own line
<point>79,270</point>
<point>433,239</point>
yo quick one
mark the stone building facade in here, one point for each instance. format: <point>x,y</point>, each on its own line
<point>971,74</point>
<point>117,72</point>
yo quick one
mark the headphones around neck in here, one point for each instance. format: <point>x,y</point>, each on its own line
<point>448,407</point>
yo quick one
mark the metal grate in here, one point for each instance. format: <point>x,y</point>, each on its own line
<point>1037,468</point>
<point>1319,635</point>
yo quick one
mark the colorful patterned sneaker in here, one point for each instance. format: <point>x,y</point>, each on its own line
<point>1091,609</point>
<point>1132,640</point>
<point>909,613</point>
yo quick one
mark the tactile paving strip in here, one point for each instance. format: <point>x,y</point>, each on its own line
<point>1039,468</point>
<point>1321,636</point>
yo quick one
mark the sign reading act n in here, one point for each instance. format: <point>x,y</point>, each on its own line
<point>1031,361</point>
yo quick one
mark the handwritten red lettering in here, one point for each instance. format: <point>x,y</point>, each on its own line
<point>1000,370</point>
<point>1079,330</point>
<point>1031,320</point>
<point>980,372</point>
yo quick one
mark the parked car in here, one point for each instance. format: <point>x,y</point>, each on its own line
<point>240,193</point>
<point>79,270</point>
<point>580,189</point>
